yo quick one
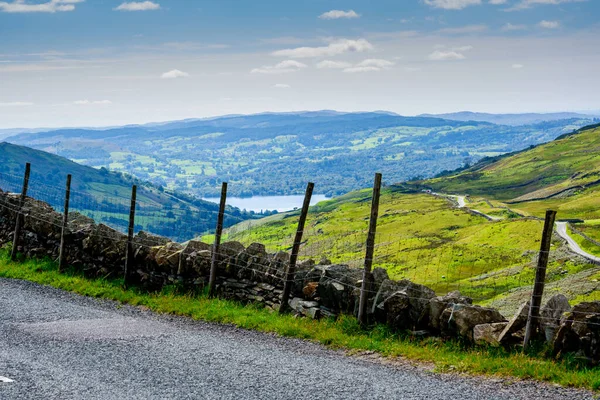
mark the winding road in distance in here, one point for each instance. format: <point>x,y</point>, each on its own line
<point>561,228</point>
<point>57,345</point>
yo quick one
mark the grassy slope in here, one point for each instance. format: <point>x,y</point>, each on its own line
<point>429,241</point>
<point>425,239</point>
<point>542,171</point>
<point>105,195</point>
<point>344,333</point>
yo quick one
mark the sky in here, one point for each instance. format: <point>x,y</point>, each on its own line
<point>109,62</point>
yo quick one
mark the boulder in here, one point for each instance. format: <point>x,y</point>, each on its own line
<point>516,323</point>
<point>167,257</point>
<point>488,333</point>
<point>462,318</point>
<point>403,304</point>
<point>190,248</point>
<point>437,305</point>
<point>257,249</point>
<point>579,332</point>
<point>551,314</point>
<point>307,308</point>
<point>149,240</point>
<point>336,286</point>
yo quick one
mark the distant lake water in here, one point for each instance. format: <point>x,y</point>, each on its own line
<point>279,203</point>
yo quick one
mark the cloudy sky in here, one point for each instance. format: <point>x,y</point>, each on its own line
<point>108,62</point>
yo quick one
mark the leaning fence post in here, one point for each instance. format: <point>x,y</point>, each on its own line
<point>540,278</point>
<point>61,253</point>
<point>291,268</point>
<point>362,308</point>
<point>215,255</point>
<point>129,251</point>
<point>18,222</point>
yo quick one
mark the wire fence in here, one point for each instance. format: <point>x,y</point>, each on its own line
<point>492,275</point>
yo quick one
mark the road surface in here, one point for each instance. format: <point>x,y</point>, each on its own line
<point>462,203</point>
<point>55,345</point>
<point>561,230</point>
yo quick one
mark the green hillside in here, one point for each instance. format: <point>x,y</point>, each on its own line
<point>428,239</point>
<point>105,195</point>
<point>572,162</point>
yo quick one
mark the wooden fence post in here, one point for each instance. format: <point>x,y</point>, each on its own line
<point>129,251</point>
<point>61,253</point>
<point>540,278</point>
<point>216,245</point>
<point>291,269</point>
<point>19,219</point>
<point>364,294</point>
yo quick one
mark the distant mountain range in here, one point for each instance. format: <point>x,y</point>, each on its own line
<point>277,153</point>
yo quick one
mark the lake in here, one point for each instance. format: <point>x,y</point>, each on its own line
<point>279,203</point>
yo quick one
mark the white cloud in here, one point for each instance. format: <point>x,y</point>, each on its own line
<point>92,103</point>
<point>524,4</point>
<point>334,48</point>
<point>549,24</point>
<point>333,64</point>
<point>517,66</point>
<point>174,73</point>
<point>462,49</point>
<point>281,86</point>
<point>16,104</point>
<point>464,29</point>
<point>138,6</point>
<point>370,65</point>
<point>440,55</point>
<point>452,4</point>
<point>508,27</point>
<point>280,68</point>
<point>52,6</point>
<point>497,2</point>
<point>337,14</point>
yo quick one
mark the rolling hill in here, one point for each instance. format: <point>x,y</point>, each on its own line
<point>427,239</point>
<point>561,167</point>
<point>277,153</point>
<point>105,195</point>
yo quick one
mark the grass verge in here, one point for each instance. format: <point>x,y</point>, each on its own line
<point>344,333</point>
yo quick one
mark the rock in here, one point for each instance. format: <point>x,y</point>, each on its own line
<point>408,299</point>
<point>551,314</point>
<point>463,318</point>
<point>437,306</point>
<point>167,256</point>
<point>579,332</point>
<point>379,276</point>
<point>488,333</point>
<point>191,247</point>
<point>307,308</point>
<point>516,323</point>
<point>257,249</point>
<point>231,249</point>
<point>336,285</point>
<point>149,240</point>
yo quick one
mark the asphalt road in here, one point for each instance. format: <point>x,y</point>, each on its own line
<point>561,229</point>
<point>55,345</point>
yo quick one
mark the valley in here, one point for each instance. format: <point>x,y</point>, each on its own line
<point>276,154</point>
<point>438,241</point>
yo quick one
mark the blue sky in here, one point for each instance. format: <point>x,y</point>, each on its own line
<point>104,62</point>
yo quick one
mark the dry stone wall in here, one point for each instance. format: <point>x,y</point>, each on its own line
<point>251,274</point>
